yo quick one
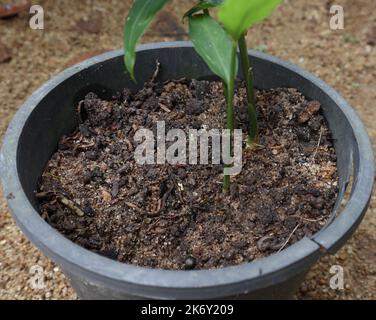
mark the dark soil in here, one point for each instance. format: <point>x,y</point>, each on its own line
<point>177,217</point>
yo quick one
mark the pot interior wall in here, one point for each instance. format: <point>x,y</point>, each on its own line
<point>55,115</point>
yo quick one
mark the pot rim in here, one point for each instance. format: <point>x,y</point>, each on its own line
<point>235,279</point>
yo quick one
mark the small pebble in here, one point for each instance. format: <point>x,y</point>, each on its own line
<point>189,263</point>
<point>87,177</point>
<point>115,189</point>
<point>106,196</point>
<point>88,211</point>
<point>229,255</point>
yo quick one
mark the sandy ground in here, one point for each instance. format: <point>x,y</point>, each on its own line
<point>298,32</point>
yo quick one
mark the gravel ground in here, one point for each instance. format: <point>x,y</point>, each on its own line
<point>298,32</point>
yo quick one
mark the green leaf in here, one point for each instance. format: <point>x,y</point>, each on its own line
<point>239,15</point>
<point>198,7</point>
<point>139,18</point>
<point>203,5</point>
<point>213,44</point>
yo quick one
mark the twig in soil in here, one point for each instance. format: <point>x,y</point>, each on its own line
<point>289,238</point>
<point>163,107</point>
<point>70,205</point>
<point>129,144</point>
<point>310,220</point>
<point>157,210</point>
<point>133,206</point>
<point>47,194</point>
<point>63,200</point>
<point>263,244</point>
<point>156,72</point>
<point>317,147</point>
<point>86,146</point>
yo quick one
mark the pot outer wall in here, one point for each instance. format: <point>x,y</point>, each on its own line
<point>51,112</point>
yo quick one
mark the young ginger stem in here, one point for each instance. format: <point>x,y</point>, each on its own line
<point>248,77</point>
<point>230,91</point>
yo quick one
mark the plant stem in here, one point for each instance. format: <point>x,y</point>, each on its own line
<point>248,77</point>
<point>230,91</point>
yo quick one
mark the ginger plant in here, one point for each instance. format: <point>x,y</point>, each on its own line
<point>216,42</point>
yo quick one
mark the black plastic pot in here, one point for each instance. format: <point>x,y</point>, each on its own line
<point>50,112</point>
